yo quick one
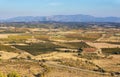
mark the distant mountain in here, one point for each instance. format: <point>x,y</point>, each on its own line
<point>63,18</point>
<point>25,19</point>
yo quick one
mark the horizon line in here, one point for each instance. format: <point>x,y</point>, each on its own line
<point>3,18</point>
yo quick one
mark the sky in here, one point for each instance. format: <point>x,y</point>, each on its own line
<point>98,8</point>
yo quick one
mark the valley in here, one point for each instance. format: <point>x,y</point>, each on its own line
<point>50,50</point>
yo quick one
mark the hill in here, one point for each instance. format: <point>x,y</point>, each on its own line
<point>63,18</point>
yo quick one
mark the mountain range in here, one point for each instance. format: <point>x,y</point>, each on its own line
<point>63,18</point>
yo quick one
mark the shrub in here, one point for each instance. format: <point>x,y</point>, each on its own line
<point>13,74</point>
<point>2,75</point>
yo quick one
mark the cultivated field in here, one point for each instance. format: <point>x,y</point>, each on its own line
<point>61,52</point>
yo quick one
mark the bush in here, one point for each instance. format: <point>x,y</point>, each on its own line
<point>13,74</point>
<point>2,75</point>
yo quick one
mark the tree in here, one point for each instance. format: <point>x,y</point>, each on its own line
<point>80,50</point>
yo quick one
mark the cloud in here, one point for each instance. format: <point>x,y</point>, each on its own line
<point>55,4</point>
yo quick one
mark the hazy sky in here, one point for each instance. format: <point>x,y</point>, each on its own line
<point>12,8</point>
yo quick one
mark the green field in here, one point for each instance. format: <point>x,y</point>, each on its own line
<point>77,45</point>
<point>38,48</point>
<point>16,38</point>
<point>117,43</point>
<point>7,48</point>
<point>111,50</point>
<point>84,36</point>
